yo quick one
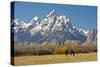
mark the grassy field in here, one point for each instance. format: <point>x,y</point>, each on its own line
<point>45,59</point>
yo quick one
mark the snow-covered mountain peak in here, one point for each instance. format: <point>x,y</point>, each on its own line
<point>16,22</point>
<point>52,27</point>
<point>35,18</point>
<point>52,12</point>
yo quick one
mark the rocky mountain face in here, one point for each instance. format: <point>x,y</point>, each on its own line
<point>53,28</point>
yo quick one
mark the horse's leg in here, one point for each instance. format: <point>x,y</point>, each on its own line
<point>73,53</point>
<point>66,52</point>
<point>70,52</point>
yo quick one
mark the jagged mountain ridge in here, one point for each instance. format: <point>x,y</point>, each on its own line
<point>52,28</point>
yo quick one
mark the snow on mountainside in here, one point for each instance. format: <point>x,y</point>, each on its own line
<point>52,28</point>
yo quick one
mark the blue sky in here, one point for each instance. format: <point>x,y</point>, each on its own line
<point>80,16</point>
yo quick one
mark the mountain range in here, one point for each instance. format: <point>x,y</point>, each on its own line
<point>51,28</point>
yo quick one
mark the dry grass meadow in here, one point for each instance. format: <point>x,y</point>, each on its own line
<point>58,58</point>
<point>49,54</point>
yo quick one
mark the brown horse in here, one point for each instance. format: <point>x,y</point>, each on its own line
<point>71,52</point>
